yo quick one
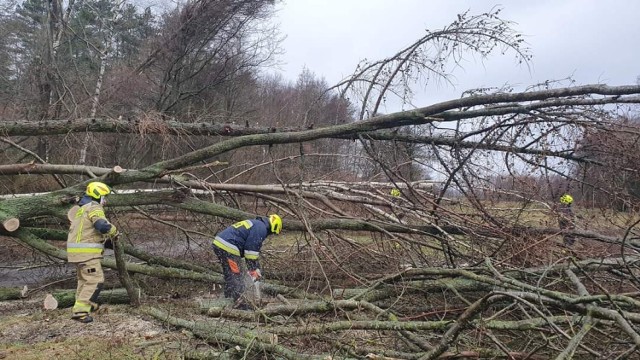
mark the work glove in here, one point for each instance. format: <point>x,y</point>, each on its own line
<point>113,232</point>
<point>255,274</point>
<point>108,240</point>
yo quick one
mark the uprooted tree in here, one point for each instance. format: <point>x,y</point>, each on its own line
<point>463,266</point>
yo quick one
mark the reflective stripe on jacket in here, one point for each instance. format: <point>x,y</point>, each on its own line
<point>85,242</point>
<point>226,246</point>
<point>244,238</point>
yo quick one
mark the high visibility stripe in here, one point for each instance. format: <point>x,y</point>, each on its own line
<point>85,251</point>
<point>99,213</point>
<point>79,213</point>
<point>80,307</point>
<point>251,255</point>
<point>79,236</point>
<point>226,246</point>
<point>85,248</point>
<point>247,224</point>
<point>85,245</point>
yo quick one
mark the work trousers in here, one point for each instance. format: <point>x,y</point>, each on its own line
<point>232,271</point>
<point>565,225</point>
<point>90,280</point>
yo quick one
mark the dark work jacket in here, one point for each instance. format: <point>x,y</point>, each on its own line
<point>566,220</point>
<point>244,239</point>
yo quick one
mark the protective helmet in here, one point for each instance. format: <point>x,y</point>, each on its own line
<point>395,192</point>
<point>97,189</point>
<point>566,199</point>
<point>275,223</point>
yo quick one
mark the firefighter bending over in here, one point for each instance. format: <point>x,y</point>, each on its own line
<point>243,240</point>
<point>85,247</point>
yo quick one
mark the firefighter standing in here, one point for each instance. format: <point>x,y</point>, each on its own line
<point>396,200</point>
<point>243,240</point>
<point>567,219</point>
<point>85,247</point>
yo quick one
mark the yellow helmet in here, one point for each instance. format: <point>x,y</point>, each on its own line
<point>395,192</point>
<point>97,189</point>
<point>275,223</point>
<point>566,199</point>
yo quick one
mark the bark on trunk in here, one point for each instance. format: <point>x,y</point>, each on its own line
<point>253,342</point>
<point>66,298</point>
<point>10,293</point>
<point>123,274</point>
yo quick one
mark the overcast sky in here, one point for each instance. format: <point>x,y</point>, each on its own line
<point>592,41</point>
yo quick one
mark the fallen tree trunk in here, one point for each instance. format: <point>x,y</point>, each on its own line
<point>66,298</point>
<point>253,342</point>
<point>123,274</point>
<point>33,241</point>
<point>10,293</point>
<point>61,235</point>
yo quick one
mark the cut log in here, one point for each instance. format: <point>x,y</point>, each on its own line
<point>50,303</point>
<point>11,224</point>
<point>66,298</point>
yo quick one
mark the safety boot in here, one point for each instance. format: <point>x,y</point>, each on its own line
<point>83,318</point>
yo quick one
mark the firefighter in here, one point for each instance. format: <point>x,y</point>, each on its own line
<point>85,246</point>
<point>396,200</point>
<point>567,219</point>
<point>243,240</point>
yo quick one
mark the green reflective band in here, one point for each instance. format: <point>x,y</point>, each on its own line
<point>79,307</point>
<point>84,251</point>
<point>226,246</point>
<point>79,236</point>
<point>85,248</point>
<point>98,213</point>
<point>251,255</point>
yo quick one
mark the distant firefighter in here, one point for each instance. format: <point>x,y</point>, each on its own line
<point>566,218</point>
<point>396,200</point>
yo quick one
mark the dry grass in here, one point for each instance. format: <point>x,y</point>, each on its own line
<point>33,333</point>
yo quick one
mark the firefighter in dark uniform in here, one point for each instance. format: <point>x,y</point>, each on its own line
<point>243,240</point>
<point>85,246</point>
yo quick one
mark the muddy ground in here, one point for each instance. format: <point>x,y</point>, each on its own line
<point>28,331</point>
